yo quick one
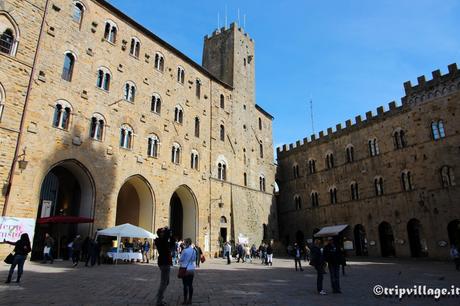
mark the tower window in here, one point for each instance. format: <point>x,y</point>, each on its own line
<point>222,101</point>
<point>135,48</point>
<point>350,154</point>
<point>156,103</point>
<point>437,129</point>
<point>333,195</point>
<point>378,186</point>
<point>399,139</point>
<point>180,75</point>
<point>314,199</point>
<point>447,176</point>
<point>103,79</point>
<point>67,70</point>
<point>62,112</point>
<point>153,146</point>
<point>311,166</point>
<point>110,32</point>
<point>129,93</point>
<point>97,127</point>
<point>329,161</point>
<point>159,62</point>
<point>178,114</point>
<point>175,153</point>
<point>262,183</point>
<point>197,127</point>
<point>373,147</point>
<point>222,171</point>
<point>406,180</point>
<point>194,160</point>
<point>126,137</point>
<point>78,11</point>
<point>198,88</point>
<point>222,132</point>
<point>354,191</point>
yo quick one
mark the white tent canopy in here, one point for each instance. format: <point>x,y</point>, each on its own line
<point>126,230</point>
<point>331,230</point>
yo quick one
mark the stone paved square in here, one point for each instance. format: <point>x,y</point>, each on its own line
<point>217,283</point>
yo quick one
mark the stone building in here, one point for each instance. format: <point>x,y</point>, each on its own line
<point>103,121</point>
<point>387,178</point>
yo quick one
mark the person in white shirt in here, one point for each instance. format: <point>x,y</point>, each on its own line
<point>187,260</point>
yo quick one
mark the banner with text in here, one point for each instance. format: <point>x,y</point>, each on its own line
<point>12,228</point>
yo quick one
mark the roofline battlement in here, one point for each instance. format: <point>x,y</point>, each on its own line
<point>437,78</point>
<point>440,85</point>
<point>233,26</point>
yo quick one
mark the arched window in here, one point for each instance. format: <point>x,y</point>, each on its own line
<point>223,221</point>
<point>314,199</point>
<point>153,146</point>
<point>110,31</point>
<point>350,152</point>
<point>97,127</point>
<point>354,191</point>
<point>297,202</point>
<point>261,149</point>
<point>62,111</point>
<point>311,166</point>
<point>262,182</point>
<point>178,114</point>
<point>129,91</point>
<point>126,136</point>
<point>9,34</point>
<point>373,147</point>
<point>198,88</point>
<point>260,124</point>
<point>222,171</point>
<point>333,195</point>
<point>156,103</point>
<point>197,127</point>
<point>406,180</point>
<point>447,176</point>
<point>175,153</point>
<point>180,75</point>
<point>295,170</point>
<point>194,158</point>
<point>135,48</point>
<point>399,139</point>
<point>2,101</point>
<point>245,179</point>
<point>67,70</point>
<point>78,11</point>
<point>159,62</point>
<point>222,101</point>
<point>378,186</point>
<point>222,132</point>
<point>103,78</point>
<point>437,129</point>
<point>329,161</point>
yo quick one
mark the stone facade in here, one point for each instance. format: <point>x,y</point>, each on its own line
<point>413,172</point>
<point>102,167</point>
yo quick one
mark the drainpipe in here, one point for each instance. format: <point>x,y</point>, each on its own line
<point>24,112</point>
<point>210,167</point>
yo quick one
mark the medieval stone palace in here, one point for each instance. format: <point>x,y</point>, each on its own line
<point>104,123</point>
<point>386,182</point>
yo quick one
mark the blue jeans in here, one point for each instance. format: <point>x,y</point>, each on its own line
<point>17,261</point>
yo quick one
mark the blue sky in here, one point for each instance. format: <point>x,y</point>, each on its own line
<point>349,56</point>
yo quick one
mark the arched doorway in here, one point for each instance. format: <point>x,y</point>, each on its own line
<point>453,230</point>
<point>183,213</point>
<point>66,200</point>
<point>135,203</point>
<point>416,241</point>
<point>300,237</point>
<point>223,229</point>
<point>387,240</point>
<point>360,240</point>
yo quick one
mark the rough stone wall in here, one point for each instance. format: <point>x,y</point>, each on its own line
<point>430,203</point>
<point>15,72</point>
<point>107,165</point>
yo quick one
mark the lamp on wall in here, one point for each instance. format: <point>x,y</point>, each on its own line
<point>23,162</point>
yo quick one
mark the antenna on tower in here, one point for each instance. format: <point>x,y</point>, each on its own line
<point>225,16</point>
<point>311,116</point>
<point>239,21</point>
<point>244,21</point>
<point>218,20</point>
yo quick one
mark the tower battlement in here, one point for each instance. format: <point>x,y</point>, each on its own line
<point>439,86</point>
<point>223,30</point>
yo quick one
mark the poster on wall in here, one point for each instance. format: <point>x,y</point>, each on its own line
<point>12,228</point>
<point>46,208</point>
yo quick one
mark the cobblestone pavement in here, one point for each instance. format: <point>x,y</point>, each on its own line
<point>219,284</point>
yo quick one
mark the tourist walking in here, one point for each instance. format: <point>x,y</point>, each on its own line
<point>76,250</point>
<point>94,251</point>
<point>297,256</point>
<point>48,249</point>
<point>333,255</point>
<point>228,251</point>
<point>187,260</point>
<point>317,261</point>
<point>269,255</point>
<point>21,250</point>
<point>455,254</point>
<point>240,251</point>
<point>199,253</point>
<point>263,253</point>
<point>145,250</point>
<point>164,246</point>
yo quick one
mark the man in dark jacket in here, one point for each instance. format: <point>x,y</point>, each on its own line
<point>297,256</point>
<point>333,256</point>
<point>317,261</point>
<point>163,243</point>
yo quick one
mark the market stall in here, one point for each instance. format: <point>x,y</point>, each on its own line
<point>125,231</point>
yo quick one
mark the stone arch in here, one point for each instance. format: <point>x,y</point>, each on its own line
<point>183,213</point>
<point>417,242</point>
<point>67,189</point>
<point>387,241</point>
<point>360,240</point>
<point>136,202</point>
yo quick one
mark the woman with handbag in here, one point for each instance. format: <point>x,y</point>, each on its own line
<point>187,270</point>
<point>21,250</point>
